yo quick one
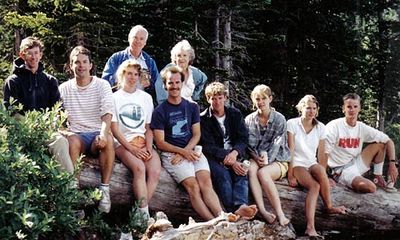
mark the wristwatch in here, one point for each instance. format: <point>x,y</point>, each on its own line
<point>395,162</point>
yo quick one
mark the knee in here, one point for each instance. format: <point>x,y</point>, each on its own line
<point>253,169</point>
<point>74,143</point>
<point>110,143</point>
<point>154,173</point>
<point>60,142</point>
<point>139,170</point>
<point>263,175</point>
<point>193,188</point>
<point>369,188</point>
<point>314,187</point>
<point>206,184</point>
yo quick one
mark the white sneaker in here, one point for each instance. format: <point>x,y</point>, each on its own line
<point>105,202</point>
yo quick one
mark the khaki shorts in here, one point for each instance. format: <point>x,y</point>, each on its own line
<point>185,168</point>
<point>138,141</point>
<point>284,167</point>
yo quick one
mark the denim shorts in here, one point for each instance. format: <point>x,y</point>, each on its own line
<point>87,139</point>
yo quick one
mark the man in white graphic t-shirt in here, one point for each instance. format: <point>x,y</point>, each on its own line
<point>346,156</point>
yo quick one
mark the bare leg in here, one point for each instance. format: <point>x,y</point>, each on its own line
<point>153,169</point>
<point>266,176</point>
<point>256,189</point>
<point>76,147</point>
<point>319,174</point>
<point>373,153</point>
<point>137,167</point>
<point>192,187</point>
<point>306,180</point>
<point>107,157</point>
<point>210,197</point>
<point>363,185</point>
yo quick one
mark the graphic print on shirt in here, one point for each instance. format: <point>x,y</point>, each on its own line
<point>179,124</point>
<point>349,142</point>
<point>131,115</point>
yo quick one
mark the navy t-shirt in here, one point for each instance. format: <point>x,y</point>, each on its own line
<point>176,121</point>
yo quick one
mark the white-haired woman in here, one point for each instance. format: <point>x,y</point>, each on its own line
<point>182,55</point>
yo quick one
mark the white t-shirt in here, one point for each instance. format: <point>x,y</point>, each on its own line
<point>305,144</point>
<point>86,105</point>
<point>132,112</point>
<point>188,87</point>
<point>344,142</point>
<point>227,140</point>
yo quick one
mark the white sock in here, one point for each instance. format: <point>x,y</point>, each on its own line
<point>378,168</point>
<point>145,210</point>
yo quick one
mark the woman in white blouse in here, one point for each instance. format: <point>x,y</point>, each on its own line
<point>306,140</point>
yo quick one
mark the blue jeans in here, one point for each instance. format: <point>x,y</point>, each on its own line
<point>232,189</point>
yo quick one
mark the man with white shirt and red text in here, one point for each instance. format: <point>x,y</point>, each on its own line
<point>348,159</point>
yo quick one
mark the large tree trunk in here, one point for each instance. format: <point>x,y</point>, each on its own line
<point>370,213</point>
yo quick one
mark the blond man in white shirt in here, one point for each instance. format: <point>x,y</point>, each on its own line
<point>347,157</point>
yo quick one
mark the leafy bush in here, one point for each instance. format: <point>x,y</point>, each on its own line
<point>36,198</point>
<point>394,133</point>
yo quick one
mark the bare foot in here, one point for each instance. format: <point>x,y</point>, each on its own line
<point>232,217</point>
<point>283,221</point>
<point>247,212</point>
<point>268,216</point>
<point>337,210</point>
<point>311,233</point>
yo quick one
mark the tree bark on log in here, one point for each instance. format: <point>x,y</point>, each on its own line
<point>370,213</point>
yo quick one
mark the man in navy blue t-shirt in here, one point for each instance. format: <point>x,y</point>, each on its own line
<point>176,127</point>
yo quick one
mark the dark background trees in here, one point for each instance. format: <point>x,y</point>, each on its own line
<point>325,48</point>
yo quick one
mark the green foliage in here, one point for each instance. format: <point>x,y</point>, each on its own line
<point>394,133</point>
<point>36,198</point>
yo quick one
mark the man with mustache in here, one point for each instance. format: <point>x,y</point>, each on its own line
<point>176,126</point>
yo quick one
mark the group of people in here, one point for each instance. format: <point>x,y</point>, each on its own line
<point>205,152</point>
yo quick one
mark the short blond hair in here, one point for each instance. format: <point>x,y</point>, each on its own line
<point>29,43</point>
<point>262,90</point>
<point>303,103</point>
<point>214,89</point>
<point>122,69</point>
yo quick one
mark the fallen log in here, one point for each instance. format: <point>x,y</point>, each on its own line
<point>370,213</point>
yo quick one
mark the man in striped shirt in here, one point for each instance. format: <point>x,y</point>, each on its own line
<point>89,105</point>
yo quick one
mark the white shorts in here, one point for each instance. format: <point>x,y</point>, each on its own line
<point>184,169</point>
<point>351,170</point>
<point>305,165</point>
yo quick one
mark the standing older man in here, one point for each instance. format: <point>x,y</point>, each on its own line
<point>137,39</point>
